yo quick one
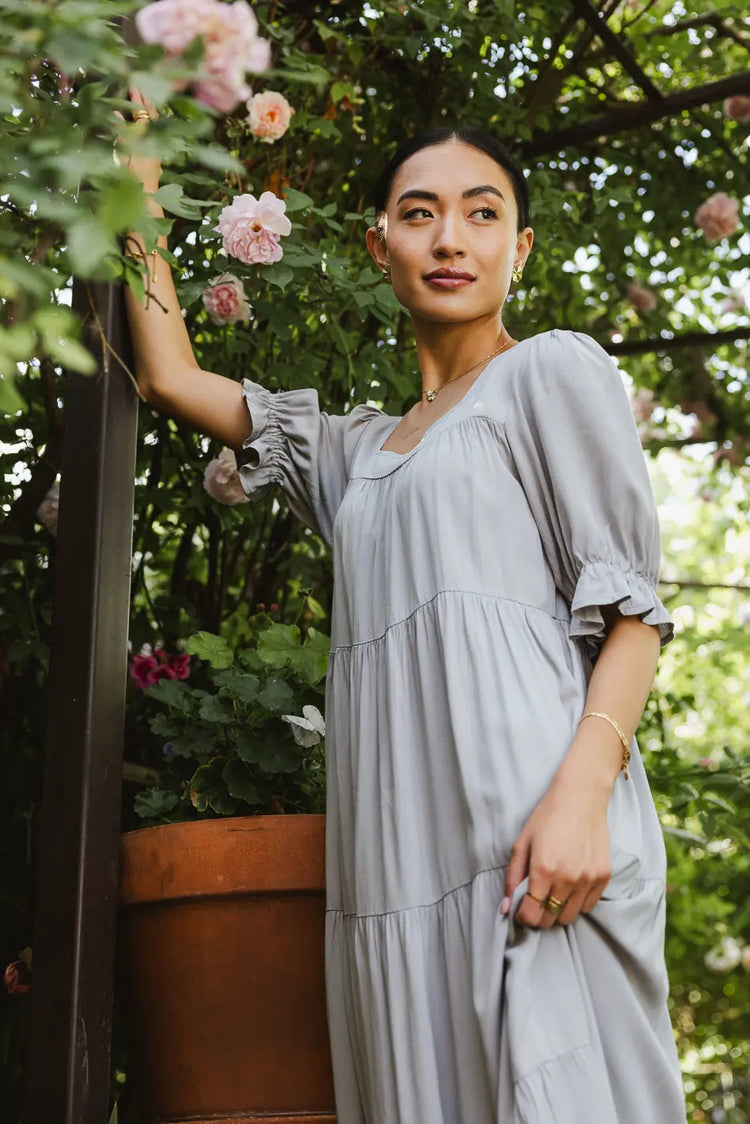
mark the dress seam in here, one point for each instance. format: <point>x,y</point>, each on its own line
<point>429,601</point>
<point>641,882</point>
<point>422,905</point>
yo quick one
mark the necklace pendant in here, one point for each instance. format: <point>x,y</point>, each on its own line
<point>430,395</point>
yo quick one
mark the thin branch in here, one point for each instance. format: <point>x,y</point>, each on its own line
<point>633,116</point>
<point>618,48</point>
<point>672,343</point>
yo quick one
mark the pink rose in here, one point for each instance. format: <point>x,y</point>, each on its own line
<point>230,35</point>
<point>225,300</point>
<point>738,107</point>
<point>643,404</point>
<point>48,509</point>
<point>734,302</point>
<point>718,217</point>
<point>269,116</point>
<point>251,228</point>
<point>641,298</point>
<point>222,480</point>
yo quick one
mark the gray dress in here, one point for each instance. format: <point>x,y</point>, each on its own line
<point>468,575</point>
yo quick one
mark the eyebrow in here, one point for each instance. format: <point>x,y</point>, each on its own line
<point>420,193</point>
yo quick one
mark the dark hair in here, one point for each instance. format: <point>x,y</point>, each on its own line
<point>467,134</point>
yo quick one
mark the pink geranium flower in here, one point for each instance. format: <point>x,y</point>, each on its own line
<point>718,217</point>
<point>230,35</point>
<point>145,670</point>
<point>738,107</point>
<point>251,228</point>
<point>643,404</point>
<point>640,297</point>
<point>222,480</point>
<point>269,115</point>
<point>225,300</point>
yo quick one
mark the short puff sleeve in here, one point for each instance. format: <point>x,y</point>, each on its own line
<point>578,457</point>
<point>305,451</point>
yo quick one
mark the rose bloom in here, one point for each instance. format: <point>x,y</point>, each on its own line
<point>724,958</point>
<point>738,107</point>
<point>232,43</point>
<point>251,228</point>
<point>718,217</point>
<point>222,480</point>
<point>269,116</point>
<point>641,298</point>
<point>225,300</point>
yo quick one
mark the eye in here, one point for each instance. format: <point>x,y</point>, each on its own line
<point>486,212</point>
<point>417,211</point>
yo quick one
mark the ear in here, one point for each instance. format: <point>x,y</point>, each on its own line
<point>524,242</point>
<point>377,247</point>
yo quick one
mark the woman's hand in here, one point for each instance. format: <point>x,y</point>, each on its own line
<point>564,849</point>
<point>146,169</point>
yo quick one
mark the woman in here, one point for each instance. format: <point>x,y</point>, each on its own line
<point>495,870</point>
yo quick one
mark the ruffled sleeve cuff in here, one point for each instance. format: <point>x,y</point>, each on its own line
<point>602,583</point>
<point>265,454</point>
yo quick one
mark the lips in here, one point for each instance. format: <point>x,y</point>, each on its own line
<point>449,279</point>
<point>448,275</point>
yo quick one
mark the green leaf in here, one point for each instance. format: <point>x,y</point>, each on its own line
<point>239,783</point>
<point>237,684</point>
<point>217,709</point>
<point>171,692</point>
<point>208,789</point>
<point>155,803</point>
<point>312,661</point>
<point>173,199</point>
<point>278,274</point>
<point>88,244</point>
<point>10,400</point>
<point>273,753</point>
<point>214,649</point>
<point>277,696</point>
<point>279,645</point>
<point>296,200</point>
<point>120,205</point>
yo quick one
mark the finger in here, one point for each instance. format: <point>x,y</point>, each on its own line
<point>572,906</point>
<point>594,894</point>
<point>531,910</point>
<point>516,872</point>
<point>143,101</point>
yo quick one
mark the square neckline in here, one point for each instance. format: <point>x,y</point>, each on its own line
<point>381,452</point>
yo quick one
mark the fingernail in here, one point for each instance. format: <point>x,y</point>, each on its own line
<point>505,905</point>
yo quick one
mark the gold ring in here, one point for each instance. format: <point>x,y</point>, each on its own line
<point>554,905</point>
<point>141,115</point>
<point>542,901</point>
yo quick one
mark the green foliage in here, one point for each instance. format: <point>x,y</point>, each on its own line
<point>227,750</point>
<point>606,212</point>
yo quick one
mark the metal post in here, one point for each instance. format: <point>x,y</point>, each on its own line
<point>77,862</point>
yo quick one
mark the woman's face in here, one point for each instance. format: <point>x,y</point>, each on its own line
<point>451,236</point>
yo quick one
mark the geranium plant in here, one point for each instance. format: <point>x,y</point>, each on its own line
<point>245,734</point>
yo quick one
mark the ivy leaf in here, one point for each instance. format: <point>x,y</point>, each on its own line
<point>214,649</point>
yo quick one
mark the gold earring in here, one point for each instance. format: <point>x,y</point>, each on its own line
<point>517,272</point>
<point>387,274</point>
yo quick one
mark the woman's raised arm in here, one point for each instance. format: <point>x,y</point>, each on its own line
<point>165,365</point>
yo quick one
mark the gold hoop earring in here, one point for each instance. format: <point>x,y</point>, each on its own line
<point>517,272</point>
<point>387,274</point>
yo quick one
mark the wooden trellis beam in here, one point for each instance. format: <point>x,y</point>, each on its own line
<point>617,46</point>
<point>634,116</point>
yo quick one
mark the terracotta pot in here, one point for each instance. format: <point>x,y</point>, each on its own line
<point>222,929</point>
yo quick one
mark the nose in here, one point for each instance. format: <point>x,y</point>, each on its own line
<point>448,238</point>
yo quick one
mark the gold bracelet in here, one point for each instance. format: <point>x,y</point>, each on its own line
<point>141,254</point>
<point>620,734</point>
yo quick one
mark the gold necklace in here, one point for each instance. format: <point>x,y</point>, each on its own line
<point>431,395</point>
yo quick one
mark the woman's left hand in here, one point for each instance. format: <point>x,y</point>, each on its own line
<point>564,849</point>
